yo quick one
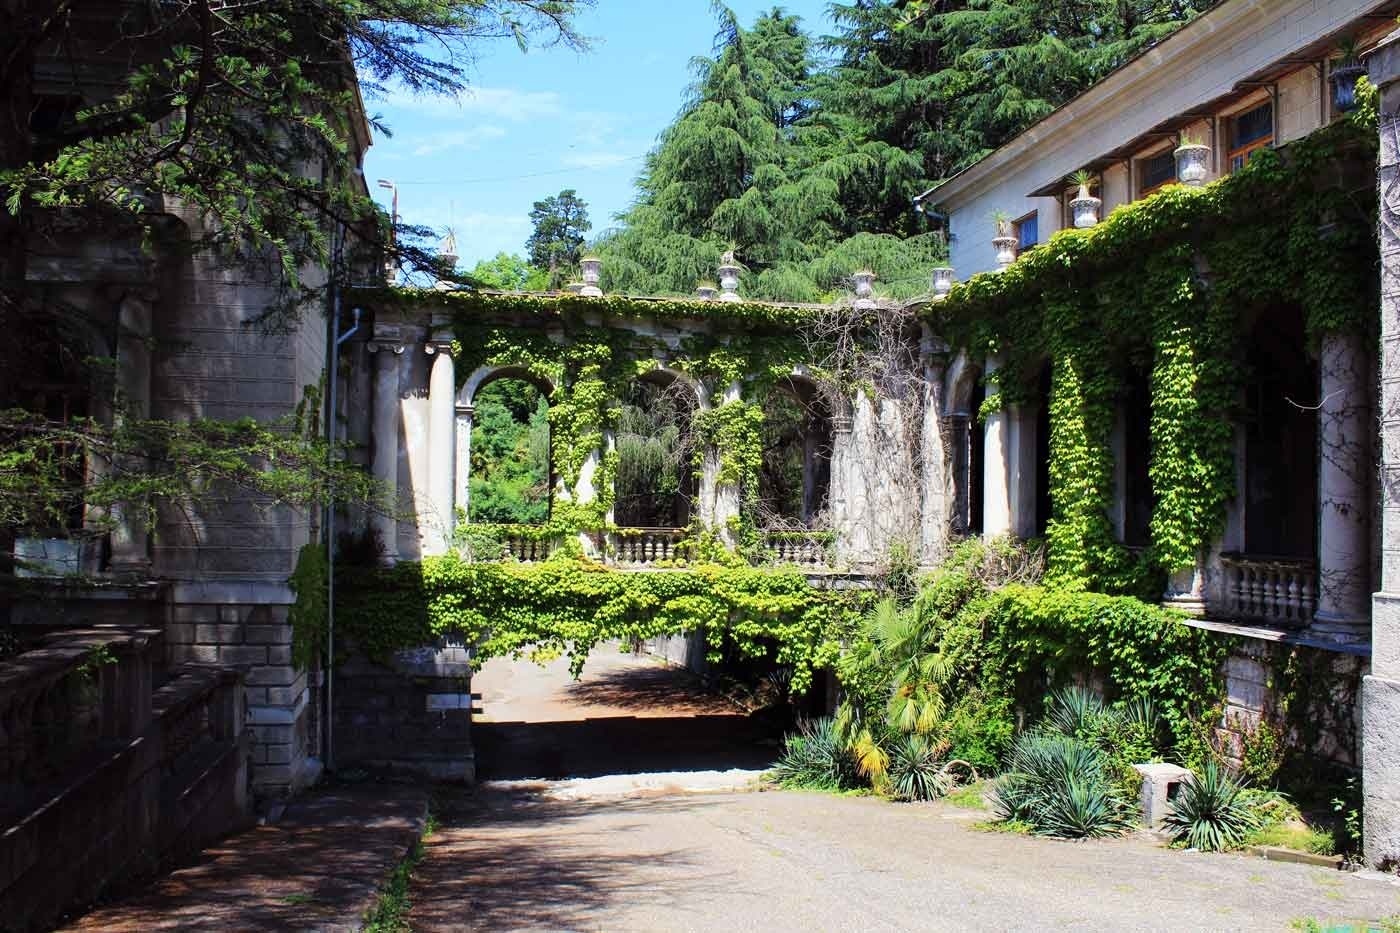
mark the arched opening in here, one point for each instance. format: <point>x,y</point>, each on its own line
<point>966,450</point>
<point>795,479</point>
<point>1042,453</point>
<point>655,481</point>
<point>1138,497</point>
<point>1281,397</point>
<point>510,481</point>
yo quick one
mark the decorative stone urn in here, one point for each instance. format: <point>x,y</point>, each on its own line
<point>1192,164</point>
<point>1006,250</point>
<point>592,268</point>
<point>729,278</point>
<point>705,292</point>
<point>865,289</point>
<point>1343,78</point>
<point>942,281</point>
<point>1085,209</point>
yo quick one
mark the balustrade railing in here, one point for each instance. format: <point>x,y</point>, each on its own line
<point>640,547</point>
<point>803,548</point>
<point>528,549</point>
<point>199,706</point>
<point>1280,591</point>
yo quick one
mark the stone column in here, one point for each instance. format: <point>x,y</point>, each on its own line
<point>1343,481</point>
<point>466,415</point>
<point>996,463</point>
<point>933,505</point>
<point>1380,692</point>
<point>130,538</point>
<point>442,448</point>
<point>726,496</point>
<point>385,430</point>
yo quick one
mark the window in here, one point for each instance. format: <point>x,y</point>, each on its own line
<point>1158,170</point>
<point>1250,132</point>
<point>1027,232</point>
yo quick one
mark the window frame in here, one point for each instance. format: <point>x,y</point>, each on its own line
<point>1245,152</point>
<point>1021,245</point>
<point>1142,161</point>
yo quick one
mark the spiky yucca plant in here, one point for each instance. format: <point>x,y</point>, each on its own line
<point>917,770</point>
<point>1058,785</point>
<point>1210,813</point>
<point>815,757</point>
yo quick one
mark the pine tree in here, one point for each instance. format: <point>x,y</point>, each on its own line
<point>561,223</point>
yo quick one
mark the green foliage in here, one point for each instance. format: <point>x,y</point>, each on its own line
<point>560,222</point>
<point>917,770</point>
<point>1209,813</point>
<point>1262,755</point>
<point>815,757</point>
<point>510,454</point>
<point>1129,294</point>
<point>308,615</point>
<point>510,273</point>
<point>568,606</point>
<point>1058,785</point>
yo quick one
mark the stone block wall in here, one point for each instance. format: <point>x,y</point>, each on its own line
<point>1325,715</point>
<point>411,715</point>
<point>244,626</point>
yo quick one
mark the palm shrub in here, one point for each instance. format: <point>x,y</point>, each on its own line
<point>1058,785</point>
<point>815,757</point>
<point>1211,813</point>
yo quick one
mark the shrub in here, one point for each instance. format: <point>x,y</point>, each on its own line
<point>1210,812</point>
<point>917,770</point>
<point>1058,785</point>
<point>815,757</point>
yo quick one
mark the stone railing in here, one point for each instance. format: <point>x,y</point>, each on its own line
<point>103,777</point>
<point>640,547</point>
<point>528,549</point>
<point>803,548</point>
<point>201,706</point>
<point>1279,591</point>
<point>76,690</point>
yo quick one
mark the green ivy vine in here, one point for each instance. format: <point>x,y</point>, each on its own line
<point>1164,285</point>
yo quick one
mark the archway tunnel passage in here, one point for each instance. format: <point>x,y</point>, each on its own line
<point>795,477</point>
<point>628,713</point>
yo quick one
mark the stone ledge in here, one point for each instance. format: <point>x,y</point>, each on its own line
<point>1281,636</point>
<point>1280,854</point>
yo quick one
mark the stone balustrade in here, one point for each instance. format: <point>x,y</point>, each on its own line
<point>1276,590</point>
<point>103,777</point>
<point>527,549</point>
<point>803,548</point>
<point>640,547</point>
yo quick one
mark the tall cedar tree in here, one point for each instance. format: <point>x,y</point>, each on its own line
<point>561,223</point>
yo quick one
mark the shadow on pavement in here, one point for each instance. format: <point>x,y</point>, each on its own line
<point>620,745</point>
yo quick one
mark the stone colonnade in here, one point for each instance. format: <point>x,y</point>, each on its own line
<point>421,413</point>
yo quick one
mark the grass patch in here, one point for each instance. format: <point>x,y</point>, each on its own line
<point>969,797</point>
<point>389,913</point>
<point>1312,925</point>
<point>1297,836</point>
<point>1014,827</point>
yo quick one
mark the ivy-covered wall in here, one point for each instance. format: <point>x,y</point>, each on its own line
<point>1167,285</point>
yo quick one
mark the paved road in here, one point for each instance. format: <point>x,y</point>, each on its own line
<point>514,857</point>
<point>785,861</point>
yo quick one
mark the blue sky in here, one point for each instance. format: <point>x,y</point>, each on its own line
<point>549,119</point>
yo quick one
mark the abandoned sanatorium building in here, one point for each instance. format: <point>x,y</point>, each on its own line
<point>1310,528</point>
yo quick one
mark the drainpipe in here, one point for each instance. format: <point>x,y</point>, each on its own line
<point>332,369</point>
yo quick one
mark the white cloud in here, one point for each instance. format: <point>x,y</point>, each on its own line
<point>468,139</point>
<point>502,102</point>
<point>598,159</point>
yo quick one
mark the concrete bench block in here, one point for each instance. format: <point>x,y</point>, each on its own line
<point>1160,784</point>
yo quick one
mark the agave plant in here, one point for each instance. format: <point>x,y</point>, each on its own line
<point>1074,711</point>
<point>1058,785</point>
<point>815,757</point>
<point>917,770</point>
<point>1210,813</point>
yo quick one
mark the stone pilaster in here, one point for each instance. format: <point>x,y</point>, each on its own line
<point>996,467</point>
<point>933,461</point>
<point>442,448</point>
<point>1380,692</point>
<point>384,454</point>
<point>466,415</point>
<point>726,496</point>
<point>130,540</point>
<point>1344,534</point>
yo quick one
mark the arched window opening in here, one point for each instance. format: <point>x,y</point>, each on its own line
<point>1138,497</point>
<point>510,469</point>
<point>655,485</point>
<point>1042,454</point>
<point>1281,397</point>
<point>795,479</point>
